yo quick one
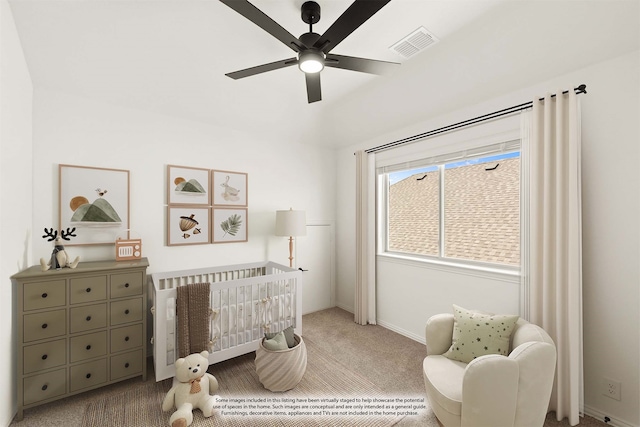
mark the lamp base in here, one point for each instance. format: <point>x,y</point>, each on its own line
<point>291,251</point>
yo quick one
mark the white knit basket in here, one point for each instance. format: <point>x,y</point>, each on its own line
<point>281,370</point>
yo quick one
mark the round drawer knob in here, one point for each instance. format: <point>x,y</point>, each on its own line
<point>45,387</point>
<point>44,326</point>
<point>126,285</point>
<point>88,376</point>
<point>44,295</point>
<point>88,290</point>
<point>126,338</point>
<point>126,365</point>
<point>44,357</point>
<point>88,347</point>
<point>88,318</point>
<point>126,311</point>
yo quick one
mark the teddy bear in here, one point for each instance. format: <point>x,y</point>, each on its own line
<point>192,388</point>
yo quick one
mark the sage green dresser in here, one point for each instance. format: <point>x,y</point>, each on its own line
<point>79,329</point>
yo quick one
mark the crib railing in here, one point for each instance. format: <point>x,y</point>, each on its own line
<point>246,301</point>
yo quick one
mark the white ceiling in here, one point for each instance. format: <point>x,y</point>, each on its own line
<point>170,57</point>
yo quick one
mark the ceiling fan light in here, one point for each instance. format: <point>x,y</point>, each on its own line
<point>310,62</point>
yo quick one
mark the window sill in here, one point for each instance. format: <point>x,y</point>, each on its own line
<point>507,274</point>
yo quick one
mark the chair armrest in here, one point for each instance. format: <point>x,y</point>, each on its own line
<point>537,362</point>
<point>490,391</point>
<point>439,333</point>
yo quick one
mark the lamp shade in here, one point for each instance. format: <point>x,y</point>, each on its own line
<point>291,223</point>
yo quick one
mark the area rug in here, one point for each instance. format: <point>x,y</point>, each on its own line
<point>325,387</point>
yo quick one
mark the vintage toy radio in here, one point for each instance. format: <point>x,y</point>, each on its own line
<point>128,249</point>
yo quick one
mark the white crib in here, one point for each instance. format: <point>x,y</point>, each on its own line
<point>246,300</point>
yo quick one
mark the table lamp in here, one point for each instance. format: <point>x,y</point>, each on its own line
<point>291,223</point>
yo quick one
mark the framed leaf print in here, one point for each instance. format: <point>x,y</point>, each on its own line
<point>187,225</point>
<point>229,225</point>
<point>187,186</point>
<point>229,188</point>
<point>94,201</point>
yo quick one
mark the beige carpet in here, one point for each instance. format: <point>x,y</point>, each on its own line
<point>325,379</point>
<point>377,358</point>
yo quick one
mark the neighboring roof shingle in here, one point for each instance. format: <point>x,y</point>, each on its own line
<point>482,213</point>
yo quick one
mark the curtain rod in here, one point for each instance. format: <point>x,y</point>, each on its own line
<point>580,89</point>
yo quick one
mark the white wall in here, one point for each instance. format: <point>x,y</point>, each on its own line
<point>15,186</point>
<point>72,130</point>
<point>77,131</point>
<point>409,295</point>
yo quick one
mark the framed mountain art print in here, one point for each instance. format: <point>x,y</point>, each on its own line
<point>94,201</point>
<point>187,186</point>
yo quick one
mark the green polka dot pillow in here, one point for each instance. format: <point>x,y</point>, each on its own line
<point>476,334</point>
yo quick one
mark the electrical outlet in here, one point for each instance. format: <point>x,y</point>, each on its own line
<point>611,388</point>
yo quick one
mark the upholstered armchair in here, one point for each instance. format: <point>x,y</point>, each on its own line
<point>491,390</point>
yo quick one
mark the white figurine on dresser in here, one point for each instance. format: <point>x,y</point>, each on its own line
<point>59,256</point>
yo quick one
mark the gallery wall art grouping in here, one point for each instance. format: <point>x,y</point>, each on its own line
<point>203,205</point>
<point>206,206</point>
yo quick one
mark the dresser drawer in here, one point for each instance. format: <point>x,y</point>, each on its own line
<point>44,294</point>
<point>126,364</point>
<point>126,285</point>
<point>88,375</point>
<point>88,289</point>
<point>88,317</point>
<point>88,346</point>
<point>49,324</point>
<point>126,338</point>
<point>126,311</point>
<point>44,386</point>
<point>39,357</point>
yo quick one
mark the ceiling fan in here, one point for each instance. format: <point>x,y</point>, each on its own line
<point>313,50</point>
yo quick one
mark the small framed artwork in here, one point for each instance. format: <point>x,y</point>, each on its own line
<point>188,225</point>
<point>229,188</point>
<point>94,201</point>
<point>229,225</point>
<point>187,186</point>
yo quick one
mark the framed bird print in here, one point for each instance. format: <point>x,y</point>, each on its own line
<point>94,201</point>
<point>187,186</point>
<point>187,225</point>
<point>229,188</point>
<point>229,225</point>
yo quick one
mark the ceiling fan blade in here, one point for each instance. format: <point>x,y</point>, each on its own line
<point>348,22</point>
<point>371,66</point>
<point>255,15</point>
<point>313,87</point>
<point>247,72</point>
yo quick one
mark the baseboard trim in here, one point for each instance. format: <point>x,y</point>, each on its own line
<point>592,412</point>
<point>613,421</point>
<point>401,331</point>
<point>345,307</point>
<point>389,326</point>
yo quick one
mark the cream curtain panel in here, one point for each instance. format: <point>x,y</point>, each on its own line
<point>552,241</point>
<point>365,287</point>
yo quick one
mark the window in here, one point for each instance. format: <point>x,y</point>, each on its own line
<point>414,211</point>
<point>460,210</point>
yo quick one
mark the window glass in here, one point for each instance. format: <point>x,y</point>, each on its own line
<point>482,210</point>
<point>480,201</point>
<point>414,211</point>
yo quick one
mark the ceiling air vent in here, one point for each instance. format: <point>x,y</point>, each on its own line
<point>415,42</point>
